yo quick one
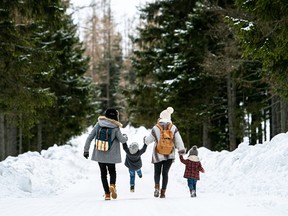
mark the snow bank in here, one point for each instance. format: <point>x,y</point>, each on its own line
<point>34,174</point>
<point>258,170</point>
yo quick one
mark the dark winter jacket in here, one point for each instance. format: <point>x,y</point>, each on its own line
<point>133,161</point>
<point>192,167</point>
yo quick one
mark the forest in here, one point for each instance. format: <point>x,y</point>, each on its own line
<point>222,66</point>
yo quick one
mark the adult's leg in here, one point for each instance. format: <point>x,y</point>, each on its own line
<point>166,167</point>
<point>112,173</point>
<point>103,171</point>
<point>157,172</point>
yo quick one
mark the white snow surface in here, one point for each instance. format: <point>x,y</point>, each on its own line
<point>250,181</point>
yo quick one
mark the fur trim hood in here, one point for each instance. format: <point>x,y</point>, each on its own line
<point>104,118</point>
<point>193,158</point>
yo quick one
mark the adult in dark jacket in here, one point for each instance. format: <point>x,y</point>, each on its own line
<point>107,159</point>
<point>133,161</point>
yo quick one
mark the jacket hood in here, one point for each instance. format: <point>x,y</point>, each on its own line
<point>193,158</point>
<point>107,122</point>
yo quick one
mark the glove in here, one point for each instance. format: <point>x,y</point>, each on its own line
<point>86,155</point>
<point>182,152</point>
<point>125,135</point>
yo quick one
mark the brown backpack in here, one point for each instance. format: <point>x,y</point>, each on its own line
<point>165,144</point>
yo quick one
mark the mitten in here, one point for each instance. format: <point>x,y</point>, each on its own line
<point>125,135</point>
<point>86,155</point>
<point>181,152</point>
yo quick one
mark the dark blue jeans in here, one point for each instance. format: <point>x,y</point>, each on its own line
<point>162,167</point>
<point>132,176</point>
<point>112,172</point>
<point>192,183</point>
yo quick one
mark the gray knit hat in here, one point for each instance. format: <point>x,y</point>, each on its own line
<point>193,151</point>
<point>133,147</point>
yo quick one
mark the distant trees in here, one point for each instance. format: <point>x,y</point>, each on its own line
<point>261,29</point>
<point>103,45</point>
<point>188,56</point>
<point>44,97</point>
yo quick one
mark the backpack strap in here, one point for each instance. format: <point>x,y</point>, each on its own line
<point>106,133</point>
<point>99,131</point>
<point>159,126</point>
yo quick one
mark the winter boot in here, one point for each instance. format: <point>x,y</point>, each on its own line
<point>156,192</point>
<point>162,193</point>
<point>107,196</point>
<point>193,193</point>
<point>132,188</point>
<point>113,191</point>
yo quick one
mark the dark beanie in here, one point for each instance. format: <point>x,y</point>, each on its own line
<point>112,114</point>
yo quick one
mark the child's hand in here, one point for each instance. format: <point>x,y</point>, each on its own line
<point>182,152</point>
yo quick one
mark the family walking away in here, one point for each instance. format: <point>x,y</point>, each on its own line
<point>133,161</point>
<point>193,167</point>
<point>166,139</point>
<point>106,151</point>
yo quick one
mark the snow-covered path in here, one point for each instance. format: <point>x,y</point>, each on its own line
<point>83,195</point>
<point>85,198</point>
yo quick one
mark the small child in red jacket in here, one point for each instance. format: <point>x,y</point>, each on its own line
<point>192,168</point>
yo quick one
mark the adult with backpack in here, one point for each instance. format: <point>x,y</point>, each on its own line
<point>167,139</point>
<point>106,151</point>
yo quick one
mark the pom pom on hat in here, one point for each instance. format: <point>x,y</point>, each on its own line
<point>166,114</point>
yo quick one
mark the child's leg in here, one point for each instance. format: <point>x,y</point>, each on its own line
<point>132,177</point>
<point>194,184</point>
<point>190,183</point>
<point>139,173</point>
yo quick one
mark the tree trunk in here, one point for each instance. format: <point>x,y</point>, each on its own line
<point>275,127</point>
<point>39,137</point>
<point>11,135</point>
<point>2,138</point>
<point>283,119</point>
<point>231,94</point>
<point>206,139</point>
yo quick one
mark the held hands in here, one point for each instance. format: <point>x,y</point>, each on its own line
<point>86,155</point>
<point>182,151</point>
<point>125,135</point>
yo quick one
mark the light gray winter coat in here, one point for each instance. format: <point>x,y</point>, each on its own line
<point>155,135</point>
<point>114,154</point>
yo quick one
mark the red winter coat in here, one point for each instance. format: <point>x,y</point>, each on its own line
<point>192,167</point>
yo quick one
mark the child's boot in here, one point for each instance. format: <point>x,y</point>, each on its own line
<point>113,191</point>
<point>162,194</point>
<point>156,192</point>
<point>132,188</point>
<point>193,193</point>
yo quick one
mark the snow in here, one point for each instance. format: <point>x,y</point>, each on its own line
<point>251,180</point>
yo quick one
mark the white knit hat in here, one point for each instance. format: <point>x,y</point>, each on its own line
<point>165,115</point>
<point>134,147</point>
